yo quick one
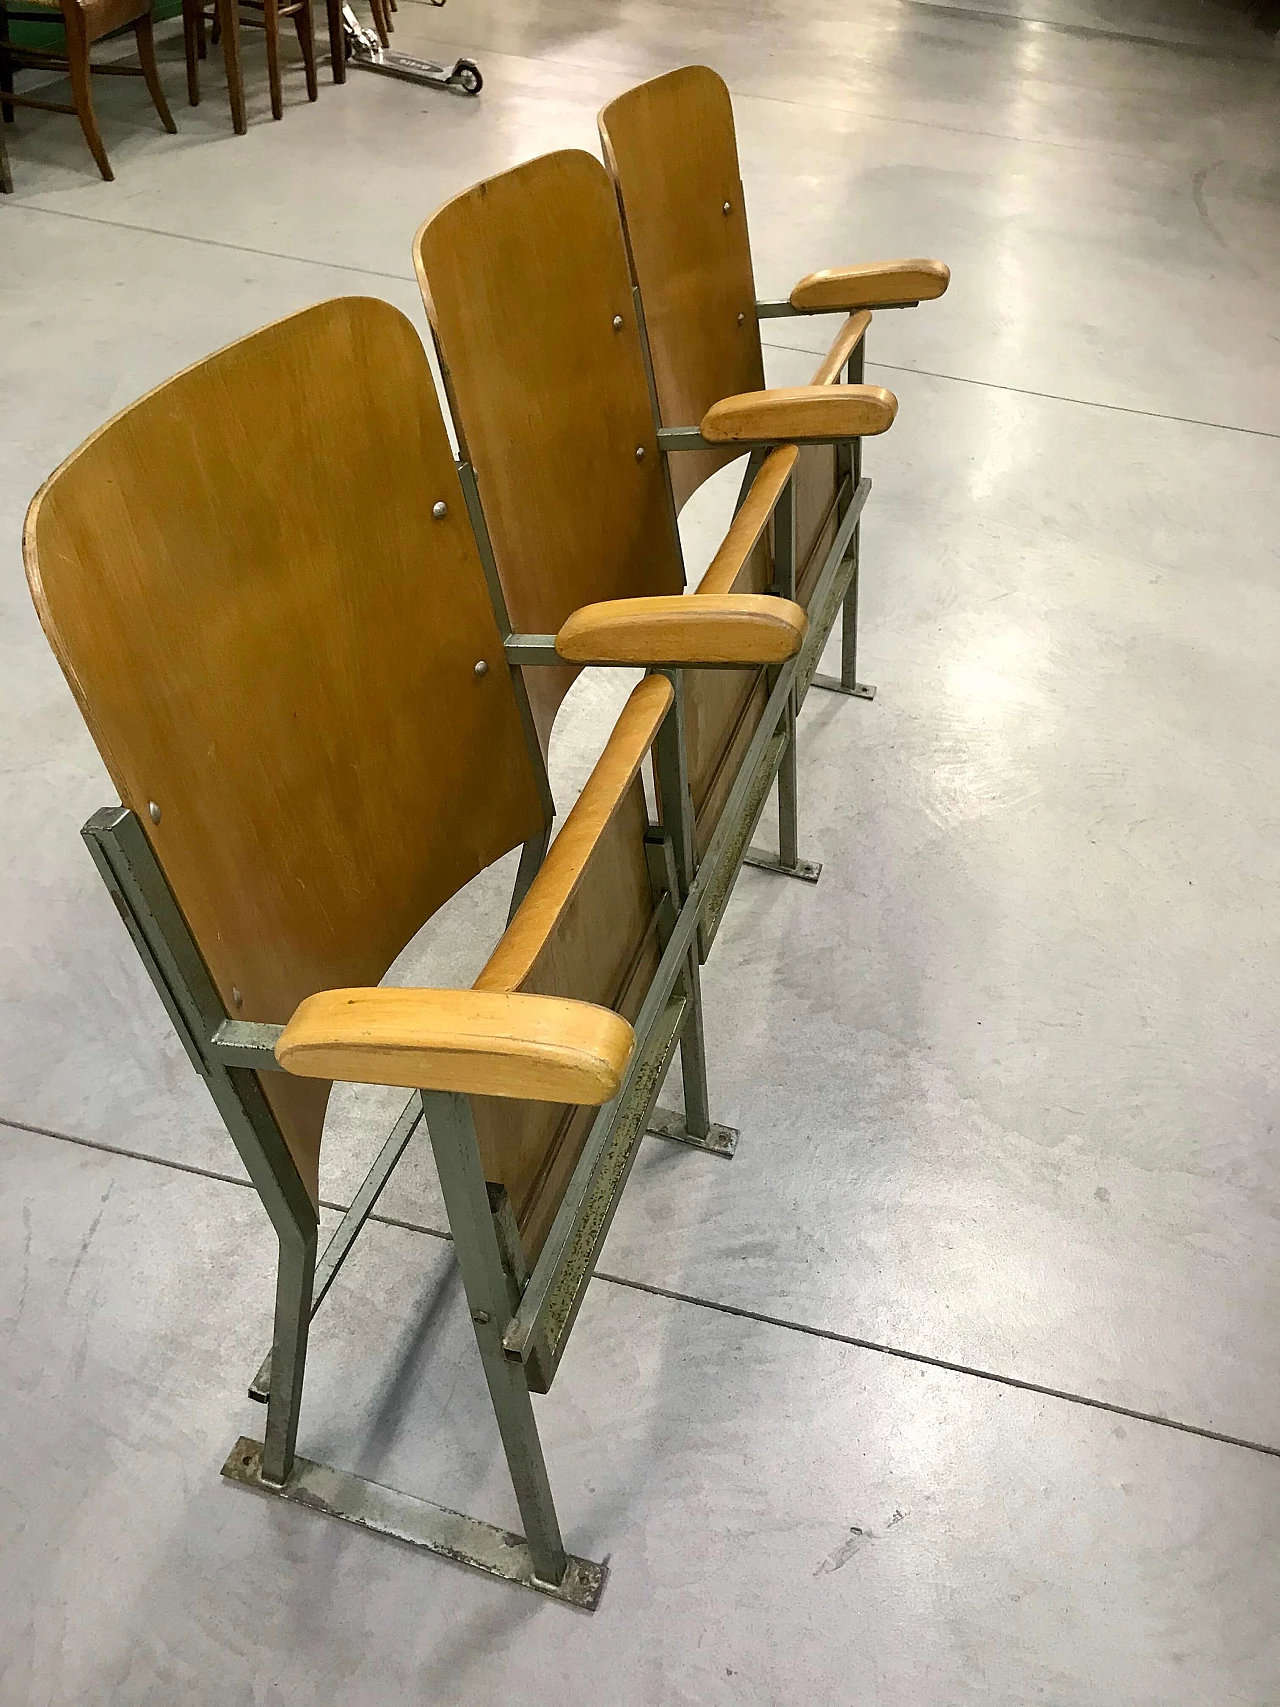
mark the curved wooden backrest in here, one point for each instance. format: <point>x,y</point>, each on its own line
<point>272,638</point>
<point>523,277</point>
<point>672,150</point>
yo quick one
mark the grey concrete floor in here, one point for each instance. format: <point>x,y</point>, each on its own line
<point>960,1382</point>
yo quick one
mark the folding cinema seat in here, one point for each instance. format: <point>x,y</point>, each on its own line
<point>570,492</point>
<point>671,148</point>
<point>262,586</point>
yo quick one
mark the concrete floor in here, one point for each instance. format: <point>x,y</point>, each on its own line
<point>960,1383</point>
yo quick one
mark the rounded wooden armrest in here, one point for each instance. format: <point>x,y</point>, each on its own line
<point>880,284</point>
<point>543,1048</point>
<point>800,414</point>
<point>721,628</point>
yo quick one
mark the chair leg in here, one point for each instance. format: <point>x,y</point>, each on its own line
<point>150,72</point>
<point>490,1300</point>
<point>81,93</point>
<point>202,40</point>
<point>295,1278</point>
<point>271,18</point>
<point>337,42</point>
<point>381,21</point>
<point>305,24</point>
<point>6,178</point>
<point>227,19</point>
<point>6,69</point>
<point>191,49</point>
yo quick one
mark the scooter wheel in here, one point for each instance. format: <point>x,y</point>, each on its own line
<point>466,76</point>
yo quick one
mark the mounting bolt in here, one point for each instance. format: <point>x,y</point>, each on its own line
<point>482,669</point>
<point>154,812</point>
<point>237,1000</point>
<point>480,1318</point>
<point>439,509</point>
<point>727,208</point>
<point>639,453</point>
<point>617,323</point>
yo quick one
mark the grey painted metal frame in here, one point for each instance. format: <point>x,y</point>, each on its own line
<point>229,1053</point>
<point>849,462</point>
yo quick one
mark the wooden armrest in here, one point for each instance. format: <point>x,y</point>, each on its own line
<point>800,414</point>
<point>728,628</point>
<point>544,1048</point>
<point>750,522</point>
<point>569,855</point>
<point>843,345</point>
<point>880,284</point>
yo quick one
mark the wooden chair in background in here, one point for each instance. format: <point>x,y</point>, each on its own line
<point>578,504</point>
<point>226,17</point>
<point>84,23</point>
<point>672,150</point>
<point>235,565</point>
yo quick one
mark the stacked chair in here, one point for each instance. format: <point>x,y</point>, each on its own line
<point>321,659</point>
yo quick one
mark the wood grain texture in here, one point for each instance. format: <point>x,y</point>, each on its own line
<point>587,928</point>
<point>726,628</point>
<point>878,284</point>
<point>271,637</point>
<point>749,525</point>
<point>574,846</point>
<point>671,148</point>
<point>843,345</point>
<point>523,277</point>
<point>481,1042</point>
<point>800,413</point>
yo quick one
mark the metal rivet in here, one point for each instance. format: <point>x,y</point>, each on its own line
<point>154,810</point>
<point>237,1000</point>
<point>480,1317</point>
<point>727,208</point>
<point>617,323</point>
<point>482,669</point>
<point>742,320</point>
<point>639,453</point>
<point>439,509</point>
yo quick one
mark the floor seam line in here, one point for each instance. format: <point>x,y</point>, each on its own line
<point>211,242</point>
<point>1047,396</point>
<point>951,1366</point>
<point>739,1311</point>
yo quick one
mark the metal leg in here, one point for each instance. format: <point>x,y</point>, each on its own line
<point>490,1298</point>
<point>294,1279</point>
<point>695,1126</point>
<point>849,460</point>
<point>344,1236</point>
<point>671,872</point>
<point>787,861</point>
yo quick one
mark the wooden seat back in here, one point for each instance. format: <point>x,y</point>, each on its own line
<point>527,287</point>
<point>275,642</point>
<point>524,277</point>
<point>672,150</point>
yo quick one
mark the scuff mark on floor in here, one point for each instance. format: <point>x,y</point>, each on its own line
<point>26,1256</point>
<point>88,1238</point>
<point>856,1541</point>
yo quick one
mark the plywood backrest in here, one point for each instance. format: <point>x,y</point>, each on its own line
<point>273,639</point>
<point>671,147</point>
<point>524,277</point>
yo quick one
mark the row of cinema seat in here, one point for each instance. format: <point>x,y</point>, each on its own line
<point>321,658</point>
